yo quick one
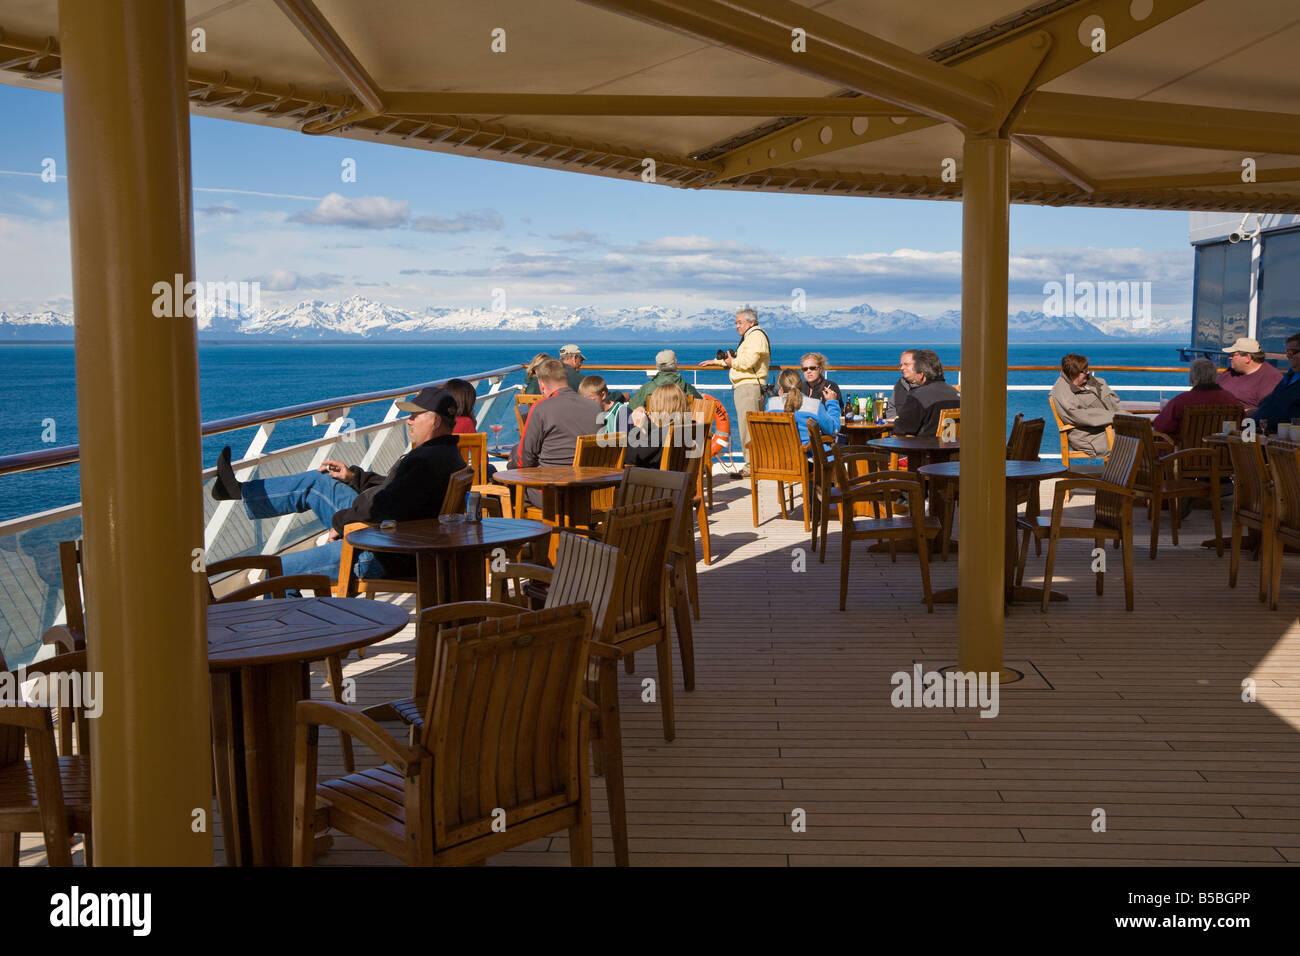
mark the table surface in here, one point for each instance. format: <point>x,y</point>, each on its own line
<point>560,475</point>
<point>434,535</point>
<point>915,443</point>
<point>260,632</point>
<point>1140,406</point>
<point>868,426</point>
<point>1015,469</point>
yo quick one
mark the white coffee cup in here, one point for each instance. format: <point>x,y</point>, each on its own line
<point>1285,432</point>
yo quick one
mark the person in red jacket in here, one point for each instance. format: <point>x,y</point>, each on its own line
<point>1204,391</point>
<point>465,396</point>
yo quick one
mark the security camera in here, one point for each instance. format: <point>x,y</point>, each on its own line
<point>1236,236</point>
<point>1241,232</point>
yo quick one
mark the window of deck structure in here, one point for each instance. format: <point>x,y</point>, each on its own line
<point>1221,308</point>
<point>1279,289</point>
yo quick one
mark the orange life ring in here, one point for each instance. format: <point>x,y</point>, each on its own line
<point>721,427</point>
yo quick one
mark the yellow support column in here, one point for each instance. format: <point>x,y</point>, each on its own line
<point>985,214</point>
<point>127,121</point>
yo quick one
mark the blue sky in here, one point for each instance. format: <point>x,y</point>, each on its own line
<point>418,228</point>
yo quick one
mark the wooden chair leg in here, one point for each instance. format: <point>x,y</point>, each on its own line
<point>1175,518</point>
<point>1216,506</point>
<point>1050,566</point>
<point>703,519</point>
<point>753,495</point>
<point>335,665</point>
<point>949,508</point>
<point>664,652</point>
<point>1275,562</point>
<point>824,513</point>
<point>1101,575</point>
<point>306,752</point>
<point>693,586</point>
<point>804,509</point>
<point>629,664</point>
<point>88,849</point>
<point>923,552</point>
<point>1234,553</point>
<point>1157,504</point>
<point>1127,532</point>
<point>845,543</point>
<point>780,497</point>
<point>1024,556</point>
<point>612,735</point>
<point>685,639</point>
<point>1265,562</point>
<point>580,843</point>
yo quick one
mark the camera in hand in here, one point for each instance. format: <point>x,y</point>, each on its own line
<point>724,354</point>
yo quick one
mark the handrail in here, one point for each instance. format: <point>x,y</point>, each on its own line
<point>67,454</point>
<point>1181,369</point>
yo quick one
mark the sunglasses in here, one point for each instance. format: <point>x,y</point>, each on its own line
<point>811,368</point>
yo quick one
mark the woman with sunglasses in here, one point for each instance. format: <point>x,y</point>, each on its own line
<point>813,369</point>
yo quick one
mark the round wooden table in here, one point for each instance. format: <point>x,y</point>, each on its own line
<point>1017,472</point>
<point>859,433</point>
<point>449,558</point>
<point>928,448</point>
<point>566,490</point>
<point>258,656</point>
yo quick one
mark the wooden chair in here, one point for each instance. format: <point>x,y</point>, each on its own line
<point>826,492</point>
<point>496,498</point>
<point>46,793</point>
<point>949,415</point>
<point>776,454</point>
<point>883,486</point>
<point>1213,463</point>
<point>347,584</point>
<point>702,411</point>
<point>1284,469</point>
<point>1064,429</point>
<point>687,456</point>
<point>600,451</point>
<point>1252,507</point>
<point>523,405</point>
<point>1112,518</point>
<point>495,748</point>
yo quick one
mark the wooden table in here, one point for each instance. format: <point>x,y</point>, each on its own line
<point>1017,473</point>
<point>449,558</point>
<point>566,490</point>
<point>258,652</point>
<point>1141,408</point>
<point>860,433</point>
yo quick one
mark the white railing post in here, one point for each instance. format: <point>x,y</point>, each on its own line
<point>222,514</point>
<point>372,452</point>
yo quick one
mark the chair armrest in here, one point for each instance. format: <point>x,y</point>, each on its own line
<point>270,563</point>
<point>608,652</point>
<point>587,704</point>
<point>496,500</point>
<point>314,713</point>
<point>462,610</point>
<point>59,664</point>
<point>64,638</point>
<point>316,583</point>
<point>1070,484</point>
<point>533,572</point>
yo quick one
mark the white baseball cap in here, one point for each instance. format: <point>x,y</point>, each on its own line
<point>666,359</point>
<point>1244,345</point>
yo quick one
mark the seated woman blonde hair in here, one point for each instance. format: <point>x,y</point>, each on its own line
<point>826,414</point>
<point>666,406</point>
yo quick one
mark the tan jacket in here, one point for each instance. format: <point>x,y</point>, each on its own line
<point>753,357</point>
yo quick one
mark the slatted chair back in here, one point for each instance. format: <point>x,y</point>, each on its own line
<point>650,484</point>
<point>458,486</point>
<point>684,443</point>
<point>1199,422</point>
<point>11,736</point>
<point>642,534</point>
<point>949,415</point>
<point>1121,469</point>
<point>276,587</point>
<point>502,722</point>
<point>775,450</point>
<point>523,405</point>
<point>1148,456</point>
<point>1026,439</point>
<point>1284,467</point>
<point>822,474</point>
<point>585,570</point>
<point>1250,476</point>
<point>473,448</point>
<point>600,451</point>
<point>74,610</point>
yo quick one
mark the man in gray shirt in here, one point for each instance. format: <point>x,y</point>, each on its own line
<point>550,435</point>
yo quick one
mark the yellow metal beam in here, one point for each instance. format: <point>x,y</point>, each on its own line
<point>801,39</point>
<point>985,234</point>
<point>1109,119</point>
<point>414,103</point>
<point>1055,161</point>
<point>131,224</point>
<point>988,60</point>
<point>318,31</point>
<point>1287,174</point>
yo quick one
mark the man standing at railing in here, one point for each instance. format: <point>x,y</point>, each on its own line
<point>340,494</point>
<point>747,366</point>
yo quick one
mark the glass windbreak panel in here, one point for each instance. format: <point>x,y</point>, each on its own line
<point>31,587</point>
<point>1207,307</point>
<point>1279,290</point>
<point>1236,292</point>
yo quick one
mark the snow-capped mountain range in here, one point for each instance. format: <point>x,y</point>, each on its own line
<point>359,318</point>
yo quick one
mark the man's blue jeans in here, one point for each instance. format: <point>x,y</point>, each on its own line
<point>309,491</point>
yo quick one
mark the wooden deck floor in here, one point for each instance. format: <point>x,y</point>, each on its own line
<point>1140,715</point>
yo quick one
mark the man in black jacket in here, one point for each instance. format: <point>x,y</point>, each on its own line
<point>340,494</point>
<point>930,394</point>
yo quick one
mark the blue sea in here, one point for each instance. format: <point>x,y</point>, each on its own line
<point>38,384</point>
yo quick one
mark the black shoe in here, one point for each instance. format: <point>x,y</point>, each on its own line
<point>226,487</point>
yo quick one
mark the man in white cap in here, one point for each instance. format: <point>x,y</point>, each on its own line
<point>1249,378</point>
<point>667,374</point>
<point>572,358</point>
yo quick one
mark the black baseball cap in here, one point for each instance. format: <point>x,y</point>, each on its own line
<point>437,400</point>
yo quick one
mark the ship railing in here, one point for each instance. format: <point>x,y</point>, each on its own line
<point>31,597</point>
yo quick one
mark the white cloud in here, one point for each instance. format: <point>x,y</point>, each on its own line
<point>365,212</point>
<point>286,280</point>
<point>461,222</point>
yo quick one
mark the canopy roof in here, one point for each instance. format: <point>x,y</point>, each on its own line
<point>716,93</point>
